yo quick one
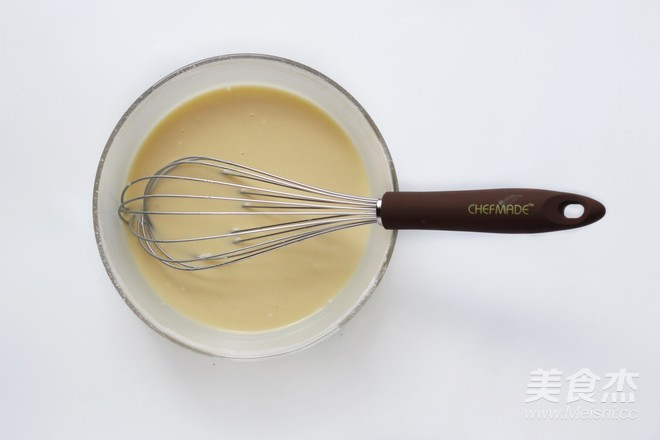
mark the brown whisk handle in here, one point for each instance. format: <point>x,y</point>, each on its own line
<point>491,210</point>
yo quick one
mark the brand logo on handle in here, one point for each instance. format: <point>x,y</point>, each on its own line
<point>499,208</point>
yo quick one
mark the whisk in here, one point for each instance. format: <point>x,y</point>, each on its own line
<point>198,187</point>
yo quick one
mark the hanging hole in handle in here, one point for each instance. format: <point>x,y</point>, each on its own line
<point>573,210</point>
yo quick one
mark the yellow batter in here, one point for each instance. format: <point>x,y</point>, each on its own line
<point>277,132</point>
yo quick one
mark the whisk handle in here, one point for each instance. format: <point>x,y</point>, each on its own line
<point>513,210</point>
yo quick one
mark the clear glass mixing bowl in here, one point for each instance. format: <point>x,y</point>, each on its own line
<point>128,136</point>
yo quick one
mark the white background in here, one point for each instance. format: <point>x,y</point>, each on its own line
<point>559,95</point>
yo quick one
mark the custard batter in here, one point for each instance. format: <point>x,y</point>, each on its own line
<point>278,132</point>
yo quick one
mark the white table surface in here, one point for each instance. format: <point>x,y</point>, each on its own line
<point>561,95</point>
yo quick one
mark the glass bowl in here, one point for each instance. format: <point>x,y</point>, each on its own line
<point>127,137</point>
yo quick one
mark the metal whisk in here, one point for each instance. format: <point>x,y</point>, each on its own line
<point>198,187</point>
<point>317,211</point>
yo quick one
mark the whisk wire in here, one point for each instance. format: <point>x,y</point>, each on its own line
<point>319,212</point>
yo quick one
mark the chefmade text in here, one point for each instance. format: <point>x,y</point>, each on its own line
<point>499,209</point>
